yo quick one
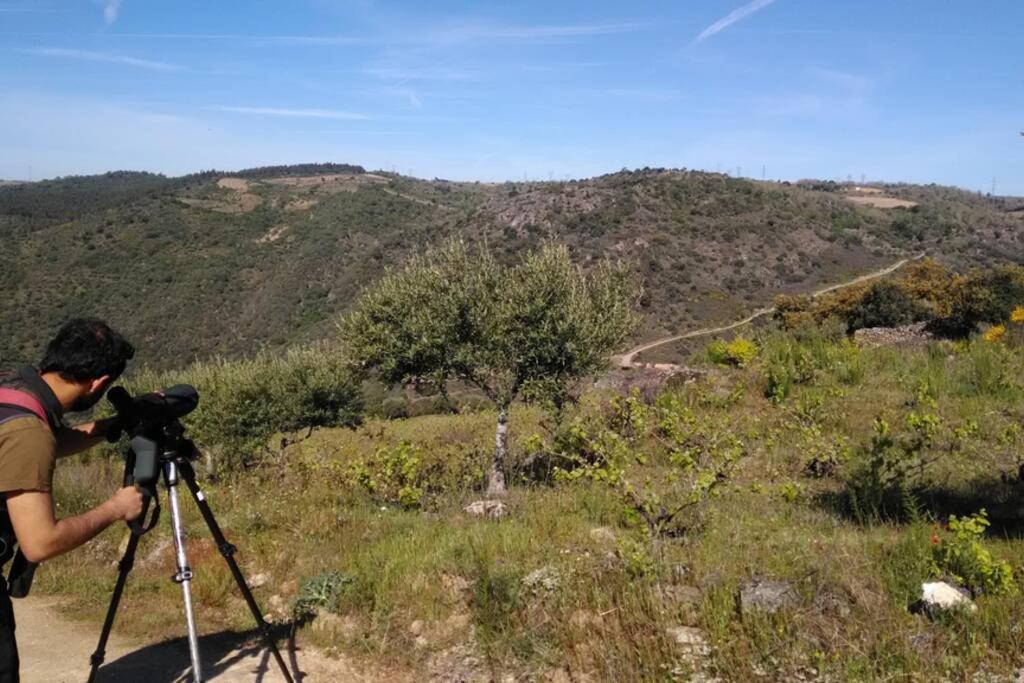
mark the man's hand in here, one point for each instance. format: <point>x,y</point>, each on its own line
<point>127,502</point>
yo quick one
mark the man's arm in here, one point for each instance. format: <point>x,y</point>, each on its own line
<point>41,536</point>
<point>72,440</point>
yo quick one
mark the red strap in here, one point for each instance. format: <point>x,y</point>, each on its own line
<point>23,399</point>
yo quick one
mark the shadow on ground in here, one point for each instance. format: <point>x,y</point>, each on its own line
<point>1000,495</point>
<point>223,654</point>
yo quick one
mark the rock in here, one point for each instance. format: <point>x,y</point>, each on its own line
<point>909,335</point>
<point>939,596</point>
<point>459,664</point>
<point>682,600</point>
<point>832,604</point>
<point>691,640</point>
<point>543,580</point>
<point>766,596</point>
<point>416,627</point>
<point>603,535</point>
<point>277,608</point>
<point>455,585</point>
<point>492,509</point>
<point>258,580</point>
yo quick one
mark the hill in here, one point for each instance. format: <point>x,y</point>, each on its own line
<point>216,263</point>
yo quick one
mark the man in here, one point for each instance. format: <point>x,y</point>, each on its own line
<point>79,366</point>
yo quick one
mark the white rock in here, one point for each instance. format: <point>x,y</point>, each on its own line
<point>493,509</point>
<point>941,595</point>
<point>690,639</point>
<point>258,580</point>
<point>543,580</point>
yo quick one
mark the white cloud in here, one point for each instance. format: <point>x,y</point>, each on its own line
<point>294,113</point>
<point>89,56</point>
<point>111,8</point>
<point>731,18</point>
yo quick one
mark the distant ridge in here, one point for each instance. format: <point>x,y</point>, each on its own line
<point>222,263</point>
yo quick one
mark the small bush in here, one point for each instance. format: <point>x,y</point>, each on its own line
<point>406,474</point>
<point>961,555</point>
<point>880,488</point>
<point>739,352</point>
<point>884,305</point>
<point>319,592</point>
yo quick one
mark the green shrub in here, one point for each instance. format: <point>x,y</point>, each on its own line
<point>392,475</point>
<point>618,448</point>
<point>739,352</point>
<point>406,474</point>
<point>983,297</point>
<point>884,305</point>
<point>393,408</point>
<point>319,592</point>
<point>962,556</point>
<point>788,364</point>
<point>243,403</point>
<point>880,487</point>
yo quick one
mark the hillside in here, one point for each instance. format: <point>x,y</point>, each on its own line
<point>814,490</point>
<point>217,263</point>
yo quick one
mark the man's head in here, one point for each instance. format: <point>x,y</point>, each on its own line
<point>87,357</point>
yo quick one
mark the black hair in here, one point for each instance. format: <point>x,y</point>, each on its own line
<point>87,348</point>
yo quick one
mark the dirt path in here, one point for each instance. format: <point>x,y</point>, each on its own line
<point>626,360</point>
<point>54,649</point>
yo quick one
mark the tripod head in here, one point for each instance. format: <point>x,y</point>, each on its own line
<point>157,436</point>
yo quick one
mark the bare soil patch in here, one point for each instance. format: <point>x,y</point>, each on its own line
<point>337,182</point>
<point>881,202</point>
<point>237,184</point>
<point>301,204</point>
<point>240,203</point>
<point>273,235</point>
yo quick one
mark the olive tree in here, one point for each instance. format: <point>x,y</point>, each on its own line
<point>528,331</point>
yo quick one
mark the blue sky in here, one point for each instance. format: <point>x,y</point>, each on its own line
<point>918,90</point>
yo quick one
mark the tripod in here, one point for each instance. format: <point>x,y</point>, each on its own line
<point>173,453</point>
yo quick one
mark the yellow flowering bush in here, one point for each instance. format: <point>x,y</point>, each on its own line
<point>1017,316</point>
<point>995,334</point>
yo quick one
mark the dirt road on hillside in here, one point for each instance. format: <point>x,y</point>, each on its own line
<point>626,360</point>
<point>54,649</point>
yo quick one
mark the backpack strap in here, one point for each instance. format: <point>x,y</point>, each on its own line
<point>13,398</point>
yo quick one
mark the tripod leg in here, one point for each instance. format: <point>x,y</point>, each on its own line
<point>228,551</point>
<point>123,567</point>
<point>183,575</point>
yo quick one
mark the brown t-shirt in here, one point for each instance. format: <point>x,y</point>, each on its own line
<point>28,454</point>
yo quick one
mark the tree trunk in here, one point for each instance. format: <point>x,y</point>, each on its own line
<point>496,478</point>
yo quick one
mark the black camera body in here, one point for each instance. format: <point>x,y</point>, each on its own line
<point>157,436</point>
<point>152,422</point>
